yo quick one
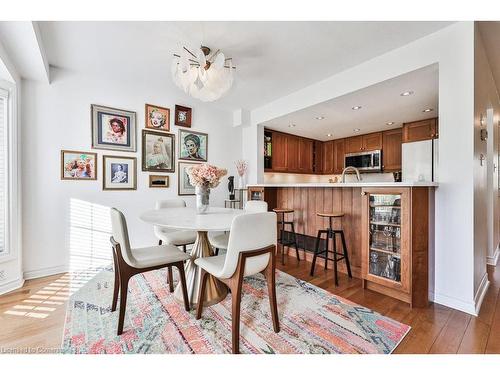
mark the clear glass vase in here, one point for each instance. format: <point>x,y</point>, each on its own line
<point>202,198</point>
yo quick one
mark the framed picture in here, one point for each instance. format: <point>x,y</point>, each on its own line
<point>158,151</point>
<point>183,116</point>
<point>193,145</point>
<point>119,173</point>
<point>113,129</point>
<point>157,118</point>
<point>78,165</point>
<point>184,187</point>
<point>157,181</point>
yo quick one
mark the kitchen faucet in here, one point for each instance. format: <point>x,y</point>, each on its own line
<point>351,169</point>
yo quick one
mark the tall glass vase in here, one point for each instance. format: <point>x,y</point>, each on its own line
<point>202,198</point>
<point>241,182</point>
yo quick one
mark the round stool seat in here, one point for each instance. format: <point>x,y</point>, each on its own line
<point>330,214</point>
<point>283,210</point>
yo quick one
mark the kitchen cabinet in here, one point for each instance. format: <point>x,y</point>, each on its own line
<point>394,241</point>
<point>372,141</point>
<point>318,157</point>
<point>391,150</point>
<point>279,155</point>
<point>306,151</point>
<point>420,130</point>
<point>328,155</point>
<point>338,156</point>
<point>292,153</point>
<point>353,144</point>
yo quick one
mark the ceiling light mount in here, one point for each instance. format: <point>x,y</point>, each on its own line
<point>356,107</point>
<point>357,130</point>
<point>428,110</point>
<point>407,93</point>
<point>320,118</point>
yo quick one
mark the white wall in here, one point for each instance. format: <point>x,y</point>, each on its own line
<point>453,49</point>
<point>57,117</point>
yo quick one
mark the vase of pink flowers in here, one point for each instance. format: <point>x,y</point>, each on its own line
<point>241,167</point>
<point>204,177</point>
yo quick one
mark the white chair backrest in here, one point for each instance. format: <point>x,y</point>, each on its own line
<point>250,232</point>
<point>170,203</point>
<point>256,206</point>
<point>120,234</point>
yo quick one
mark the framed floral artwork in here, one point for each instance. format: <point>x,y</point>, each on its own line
<point>119,173</point>
<point>183,116</point>
<point>157,118</point>
<point>184,186</point>
<point>78,165</point>
<point>113,129</point>
<point>193,146</point>
<point>158,151</point>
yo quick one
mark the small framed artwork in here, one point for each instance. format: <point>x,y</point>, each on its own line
<point>113,129</point>
<point>158,151</point>
<point>193,145</point>
<point>78,165</point>
<point>157,181</point>
<point>157,118</point>
<point>183,116</point>
<point>119,173</point>
<point>184,187</point>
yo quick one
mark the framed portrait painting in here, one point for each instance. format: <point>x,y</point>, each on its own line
<point>78,165</point>
<point>157,118</point>
<point>158,151</point>
<point>193,146</point>
<point>184,187</point>
<point>158,181</point>
<point>119,173</point>
<point>183,116</point>
<point>113,129</point>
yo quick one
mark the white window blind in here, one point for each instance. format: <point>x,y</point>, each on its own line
<point>3,170</point>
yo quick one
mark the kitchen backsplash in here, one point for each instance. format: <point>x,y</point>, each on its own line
<point>297,178</point>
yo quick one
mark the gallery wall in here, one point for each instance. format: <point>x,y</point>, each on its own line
<point>67,220</point>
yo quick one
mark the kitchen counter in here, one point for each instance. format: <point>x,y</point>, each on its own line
<point>347,184</point>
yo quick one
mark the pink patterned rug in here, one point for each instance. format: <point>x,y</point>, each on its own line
<point>312,320</point>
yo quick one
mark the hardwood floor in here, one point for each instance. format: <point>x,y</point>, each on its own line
<point>33,316</point>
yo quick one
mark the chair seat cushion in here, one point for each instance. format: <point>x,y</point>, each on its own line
<point>156,255</point>
<point>177,238</point>
<point>219,240</point>
<point>213,265</point>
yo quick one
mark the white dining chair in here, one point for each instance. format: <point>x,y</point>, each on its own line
<point>131,261</point>
<point>251,250</point>
<point>171,236</point>
<point>219,240</point>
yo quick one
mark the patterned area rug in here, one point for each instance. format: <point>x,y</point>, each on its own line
<point>312,320</point>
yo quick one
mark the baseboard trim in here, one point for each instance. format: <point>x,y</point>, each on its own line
<point>456,304</point>
<point>11,285</point>
<point>42,272</point>
<point>493,260</point>
<point>481,292</point>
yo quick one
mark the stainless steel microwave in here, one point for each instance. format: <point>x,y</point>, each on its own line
<point>365,161</point>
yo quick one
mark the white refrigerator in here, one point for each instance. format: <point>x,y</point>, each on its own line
<point>420,161</point>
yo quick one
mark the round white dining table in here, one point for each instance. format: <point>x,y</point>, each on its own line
<point>186,218</point>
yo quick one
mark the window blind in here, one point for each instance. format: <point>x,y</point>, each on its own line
<point>3,171</point>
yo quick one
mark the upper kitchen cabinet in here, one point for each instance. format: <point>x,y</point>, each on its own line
<point>328,156</point>
<point>391,154</point>
<point>318,157</point>
<point>306,151</point>
<point>353,144</point>
<point>292,153</point>
<point>279,155</point>
<point>420,130</point>
<point>367,142</point>
<point>338,155</point>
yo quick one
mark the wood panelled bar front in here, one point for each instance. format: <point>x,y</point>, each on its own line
<point>409,228</point>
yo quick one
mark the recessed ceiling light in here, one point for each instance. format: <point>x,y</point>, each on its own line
<point>356,130</point>
<point>329,135</point>
<point>355,108</point>
<point>390,123</point>
<point>291,126</point>
<point>407,93</point>
<point>428,110</point>
<point>320,118</point>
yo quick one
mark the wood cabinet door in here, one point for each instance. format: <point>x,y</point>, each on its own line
<point>339,156</point>
<point>420,130</point>
<point>353,144</point>
<point>372,142</point>
<point>292,152</point>
<point>318,157</point>
<point>305,155</point>
<point>391,150</point>
<point>279,158</point>
<point>328,153</point>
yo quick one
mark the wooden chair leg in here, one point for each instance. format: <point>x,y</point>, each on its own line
<point>160,242</point>
<point>270,275</point>
<point>182,279</point>
<point>170,279</point>
<point>201,293</point>
<point>235,315</point>
<point>117,283</point>
<point>123,302</point>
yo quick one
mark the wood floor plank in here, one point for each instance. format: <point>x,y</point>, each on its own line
<point>493,344</point>
<point>451,335</point>
<point>475,337</point>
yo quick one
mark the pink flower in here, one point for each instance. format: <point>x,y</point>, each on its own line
<point>205,174</point>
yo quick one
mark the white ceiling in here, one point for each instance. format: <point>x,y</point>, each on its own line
<point>380,104</point>
<point>273,59</point>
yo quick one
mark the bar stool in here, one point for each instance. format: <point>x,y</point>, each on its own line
<point>331,233</point>
<point>281,240</point>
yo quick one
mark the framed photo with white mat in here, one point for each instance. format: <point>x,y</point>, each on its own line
<point>119,173</point>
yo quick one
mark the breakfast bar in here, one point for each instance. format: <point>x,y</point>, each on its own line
<point>385,224</point>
